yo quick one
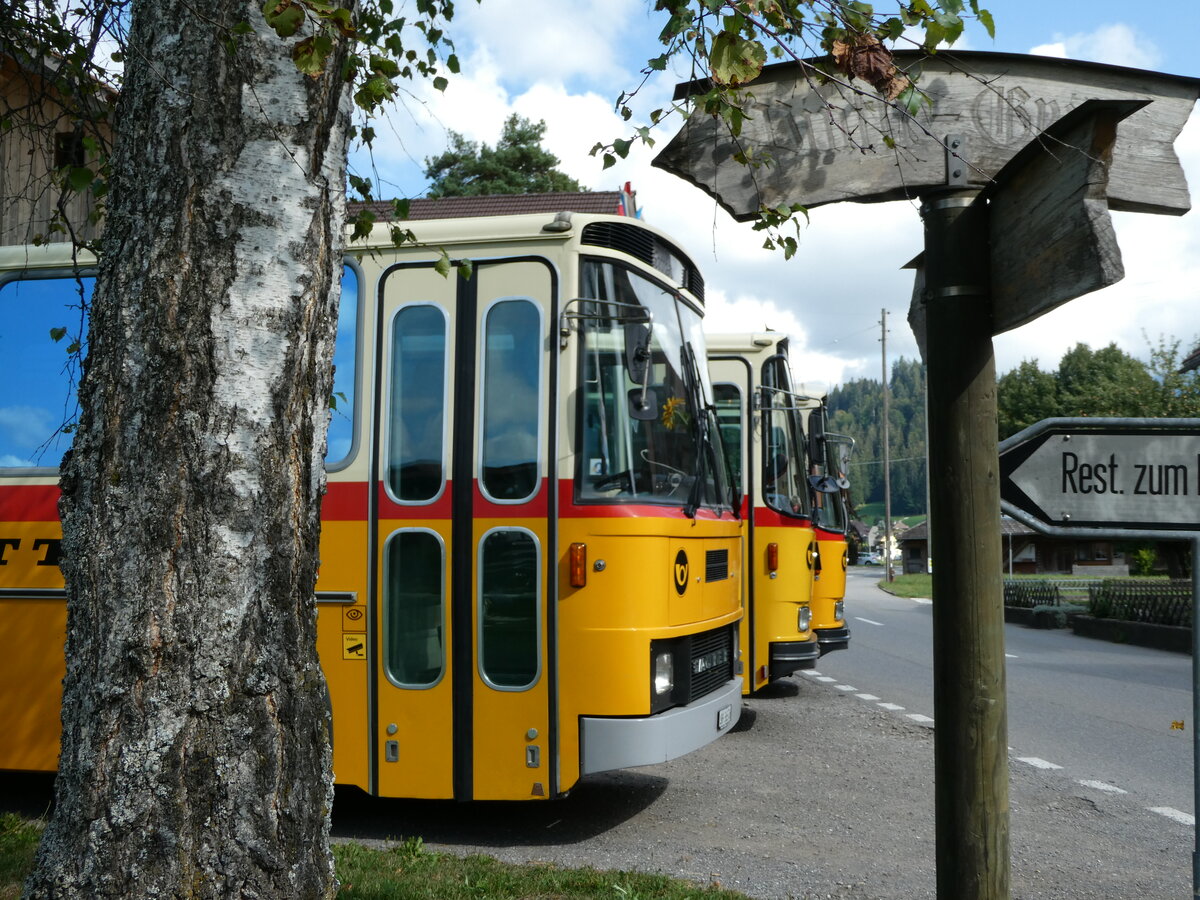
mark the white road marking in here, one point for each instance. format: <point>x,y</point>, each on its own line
<point>1181,817</point>
<point>924,601</point>
<point>917,717</point>
<point>811,673</point>
<point>1103,786</point>
<point>869,621</point>
<point>826,679</point>
<point>1037,763</point>
<point>1011,656</point>
<point>892,706</point>
<point>845,687</point>
<point>866,696</point>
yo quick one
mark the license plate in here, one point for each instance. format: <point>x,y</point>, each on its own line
<point>724,714</point>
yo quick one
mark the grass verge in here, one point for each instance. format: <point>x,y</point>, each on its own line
<point>408,871</point>
<point>918,585</point>
<point>18,842</point>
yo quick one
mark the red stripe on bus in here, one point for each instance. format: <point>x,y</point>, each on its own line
<point>345,501</point>
<point>568,509</point>
<point>825,535</point>
<point>768,517</point>
<point>29,503</point>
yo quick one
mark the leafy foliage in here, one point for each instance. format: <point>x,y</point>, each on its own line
<point>1104,382</point>
<point>518,164</point>
<point>726,44</point>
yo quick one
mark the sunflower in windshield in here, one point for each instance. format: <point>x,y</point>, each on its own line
<point>674,413</point>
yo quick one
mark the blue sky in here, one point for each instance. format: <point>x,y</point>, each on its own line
<point>565,61</point>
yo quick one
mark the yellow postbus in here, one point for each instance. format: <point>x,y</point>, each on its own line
<point>762,423</point>
<point>530,556</point>
<point>831,521</point>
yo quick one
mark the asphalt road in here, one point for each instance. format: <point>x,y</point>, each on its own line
<point>1107,714</point>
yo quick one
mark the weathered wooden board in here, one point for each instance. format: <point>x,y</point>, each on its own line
<point>1052,237</point>
<point>827,142</point>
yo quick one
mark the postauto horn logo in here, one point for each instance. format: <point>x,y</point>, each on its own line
<point>681,571</point>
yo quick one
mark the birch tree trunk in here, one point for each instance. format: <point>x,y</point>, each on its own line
<point>195,751</point>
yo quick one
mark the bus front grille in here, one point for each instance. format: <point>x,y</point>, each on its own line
<point>711,662</point>
<point>716,565</point>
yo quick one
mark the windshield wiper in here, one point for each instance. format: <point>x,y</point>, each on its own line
<point>703,446</point>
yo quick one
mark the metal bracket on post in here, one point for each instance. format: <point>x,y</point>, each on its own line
<point>956,165</point>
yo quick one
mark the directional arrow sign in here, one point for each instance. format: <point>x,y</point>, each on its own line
<point>1137,474</point>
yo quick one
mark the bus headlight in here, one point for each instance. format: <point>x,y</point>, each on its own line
<point>839,610</point>
<point>664,673</point>
<point>803,619</point>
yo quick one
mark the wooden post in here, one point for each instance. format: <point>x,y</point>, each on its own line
<point>970,744</point>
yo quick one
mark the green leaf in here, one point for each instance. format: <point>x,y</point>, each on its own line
<point>80,178</point>
<point>284,16</point>
<point>443,266</point>
<point>912,100</point>
<point>440,83</point>
<point>57,334</point>
<point>310,55</point>
<point>621,147</point>
<point>735,60</point>
<point>985,19</point>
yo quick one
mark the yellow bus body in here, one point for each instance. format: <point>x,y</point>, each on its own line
<point>464,659</point>
<point>780,544</point>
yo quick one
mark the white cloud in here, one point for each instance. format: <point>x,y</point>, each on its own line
<point>25,427</point>
<point>1117,45</point>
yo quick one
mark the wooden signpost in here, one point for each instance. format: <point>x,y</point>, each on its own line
<point>1016,165</point>
<point>1000,102</point>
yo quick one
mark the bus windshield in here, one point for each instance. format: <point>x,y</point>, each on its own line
<point>831,510</point>
<point>648,425</point>
<point>785,467</point>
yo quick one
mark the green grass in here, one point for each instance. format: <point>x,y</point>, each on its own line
<point>18,842</point>
<point>408,871</point>
<point>909,586</point>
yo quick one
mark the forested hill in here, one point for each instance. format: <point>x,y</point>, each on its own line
<point>856,409</point>
<point>1087,382</point>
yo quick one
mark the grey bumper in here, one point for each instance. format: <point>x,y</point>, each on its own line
<point>607,743</point>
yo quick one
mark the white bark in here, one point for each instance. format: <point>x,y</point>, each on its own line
<point>195,755</point>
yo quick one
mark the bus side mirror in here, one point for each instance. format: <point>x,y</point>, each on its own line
<point>637,351</point>
<point>643,404</point>
<point>816,437</point>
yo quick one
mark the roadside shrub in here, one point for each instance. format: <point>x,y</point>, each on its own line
<point>1049,617</point>
<point>1142,560</point>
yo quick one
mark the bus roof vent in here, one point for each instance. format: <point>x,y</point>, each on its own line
<point>650,249</point>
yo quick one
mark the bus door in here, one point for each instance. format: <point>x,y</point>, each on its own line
<point>462,682</point>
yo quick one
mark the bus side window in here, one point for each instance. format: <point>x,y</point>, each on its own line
<point>414,568</point>
<point>340,444</point>
<point>509,589</point>
<point>511,407</point>
<point>43,327</point>
<point>416,433</point>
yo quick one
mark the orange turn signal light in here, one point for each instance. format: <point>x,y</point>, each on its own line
<point>772,557</point>
<point>577,558</point>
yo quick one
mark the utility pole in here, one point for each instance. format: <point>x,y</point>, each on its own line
<point>887,457</point>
